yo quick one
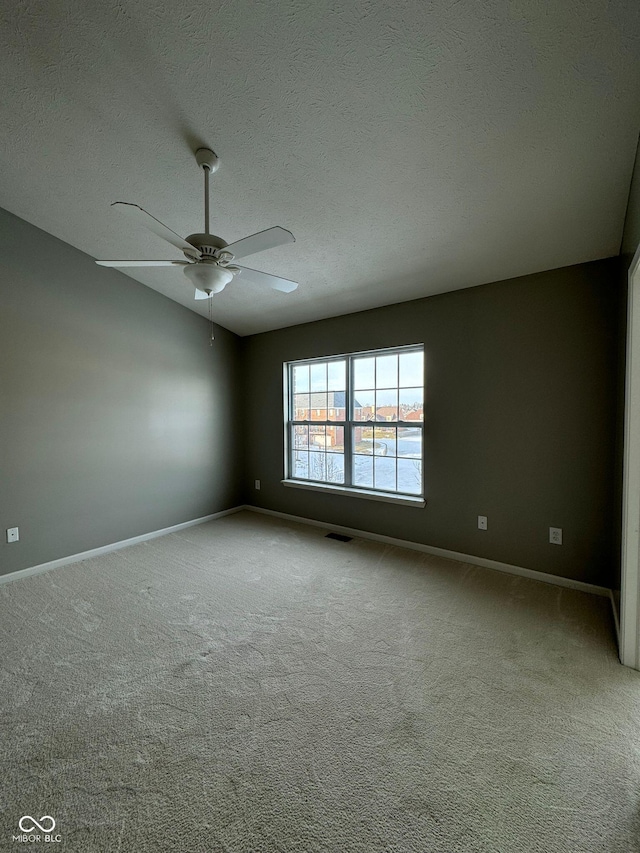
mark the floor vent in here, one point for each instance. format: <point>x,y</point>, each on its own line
<point>339,537</point>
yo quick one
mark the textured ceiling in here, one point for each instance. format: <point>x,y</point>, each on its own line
<point>412,147</point>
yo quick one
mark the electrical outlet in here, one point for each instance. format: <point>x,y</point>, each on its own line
<point>257,484</point>
<point>482,522</point>
<point>555,535</point>
<point>12,534</point>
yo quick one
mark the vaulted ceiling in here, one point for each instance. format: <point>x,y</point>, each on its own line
<point>412,147</point>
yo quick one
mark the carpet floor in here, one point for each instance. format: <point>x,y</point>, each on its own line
<point>249,686</point>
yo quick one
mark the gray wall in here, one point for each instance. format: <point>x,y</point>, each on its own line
<point>520,421</point>
<point>116,416</point>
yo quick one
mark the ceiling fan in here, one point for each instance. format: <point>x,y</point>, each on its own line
<point>208,257</point>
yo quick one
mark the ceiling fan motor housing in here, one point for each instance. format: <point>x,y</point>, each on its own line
<point>208,244</point>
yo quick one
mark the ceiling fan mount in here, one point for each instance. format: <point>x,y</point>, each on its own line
<point>208,257</point>
<point>207,159</point>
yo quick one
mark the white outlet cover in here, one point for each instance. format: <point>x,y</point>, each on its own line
<point>13,534</point>
<point>555,535</point>
<point>482,522</point>
<point>257,484</point>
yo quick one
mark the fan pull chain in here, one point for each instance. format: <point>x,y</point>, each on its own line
<point>213,337</point>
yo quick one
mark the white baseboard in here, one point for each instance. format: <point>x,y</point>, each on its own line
<point>349,531</point>
<point>443,552</point>
<point>114,546</point>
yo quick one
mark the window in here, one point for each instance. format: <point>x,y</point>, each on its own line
<point>356,421</point>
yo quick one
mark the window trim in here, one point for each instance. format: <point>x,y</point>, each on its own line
<point>357,492</point>
<point>348,424</point>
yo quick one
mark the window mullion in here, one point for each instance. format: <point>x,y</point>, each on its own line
<point>348,414</point>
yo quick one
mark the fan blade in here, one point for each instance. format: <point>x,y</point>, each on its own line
<point>255,243</point>
<point>284,285</point>
<point>143,263</point>
<point>200,294</point>
<point>143,218</point>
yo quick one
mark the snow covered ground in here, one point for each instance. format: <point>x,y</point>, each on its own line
<point>395,466</point>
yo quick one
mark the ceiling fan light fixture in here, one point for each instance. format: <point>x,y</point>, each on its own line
<point>208,277</point>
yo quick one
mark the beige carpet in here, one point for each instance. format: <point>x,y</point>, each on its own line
<point>250,686</point>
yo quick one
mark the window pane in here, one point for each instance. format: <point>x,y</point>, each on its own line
<point>410,476</point>
<point>410,442</point>
<point>317,437</point>
<point>319,376</point>
<point>363,440</point>
<point>411,369</point>
<point>384,441</point>
<point>336,375</point>
<point>384,471</point>
<point>387,405</point>
<point>318,406</point>
<point>363,405</point>
<point>336,406</point>
<point>300,378</point>
<point>364,373</point>
<point>317,468</point>
<point>301,407</point>
<point>335,467</point>
<point>411,404</point>
<point>387,371</point>
<point>335,439</point>
<point>301,464</point>
<point>363,471</point>
<point>300,437</point>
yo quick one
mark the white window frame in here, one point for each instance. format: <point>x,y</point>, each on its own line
<point>348,425</point>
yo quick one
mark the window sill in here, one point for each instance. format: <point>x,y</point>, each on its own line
<point>407,500</point>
